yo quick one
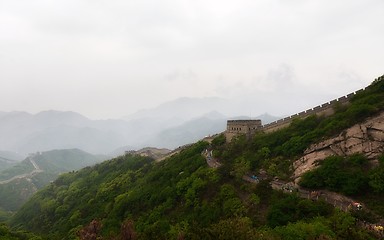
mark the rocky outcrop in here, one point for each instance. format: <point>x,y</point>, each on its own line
<point>154,153</point>
<point>365,138</point>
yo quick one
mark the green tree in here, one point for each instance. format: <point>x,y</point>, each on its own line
<point>376,180</point>
<point>234,228</point>
<point>241,167</point>
<point>218,141</point>
<point>317,229</point>
<point>340,174</point>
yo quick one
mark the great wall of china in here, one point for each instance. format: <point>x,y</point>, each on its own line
<point>325,109</point>
<point>249,127</point>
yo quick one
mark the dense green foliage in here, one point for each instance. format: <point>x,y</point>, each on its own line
<point>8,234</point>
<point>179,197</point>
<point>128,186</point>
<point>182,198</point>
<point>348,175</point>
<point>376,177</point>
<point>14,194</point>
<point>292,209</point>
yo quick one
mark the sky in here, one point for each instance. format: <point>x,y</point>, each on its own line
<point>106,59</point>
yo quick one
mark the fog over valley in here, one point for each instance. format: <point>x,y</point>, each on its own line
<point>25,133</point>
<point>106,60</point>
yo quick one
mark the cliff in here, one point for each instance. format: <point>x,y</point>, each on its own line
<point>365,138</point>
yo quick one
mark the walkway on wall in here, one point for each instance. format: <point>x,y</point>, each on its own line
<point>211,161</point>
<point>325,109</point>
<point>36,170</point>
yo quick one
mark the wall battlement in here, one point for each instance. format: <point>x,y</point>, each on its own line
<point>325,109</point>
<point>236,127</point>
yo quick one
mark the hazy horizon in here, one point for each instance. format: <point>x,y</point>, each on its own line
<point>107,60</point>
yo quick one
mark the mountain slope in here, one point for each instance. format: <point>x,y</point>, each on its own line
<point>181,197</point>
<point>20,182</point>
<point>365,138</point>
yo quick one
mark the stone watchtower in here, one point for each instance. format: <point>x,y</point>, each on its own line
<point>238,127</point>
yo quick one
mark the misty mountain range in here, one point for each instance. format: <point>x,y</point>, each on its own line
<point>169,125</point>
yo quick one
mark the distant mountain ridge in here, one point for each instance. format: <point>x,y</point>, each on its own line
<point>169,125</point>
<point>182,108</point>
<point>25,133</point>
<point>11,156</point>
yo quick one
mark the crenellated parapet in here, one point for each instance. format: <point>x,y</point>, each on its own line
<point>325,109</point>
<point>249,127</point>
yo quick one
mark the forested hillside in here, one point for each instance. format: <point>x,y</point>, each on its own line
<point>20,182</point>
<point>133,197</point>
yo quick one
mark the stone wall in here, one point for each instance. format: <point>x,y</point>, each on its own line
<point>325,109</point>
<point>236,127</point>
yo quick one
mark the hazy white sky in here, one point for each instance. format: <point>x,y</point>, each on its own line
<point>109,58</point>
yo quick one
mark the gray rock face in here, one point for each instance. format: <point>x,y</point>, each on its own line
<point>366,138</point>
